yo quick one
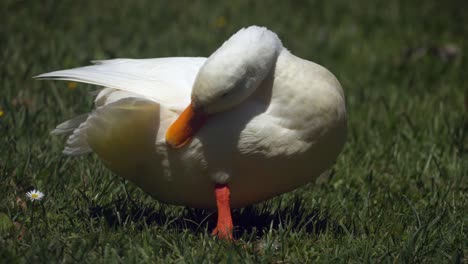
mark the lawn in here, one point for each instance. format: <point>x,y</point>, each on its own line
<point>398,192</point>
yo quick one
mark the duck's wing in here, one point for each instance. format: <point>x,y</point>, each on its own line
<point>167,81</point>
<point>134,87</point>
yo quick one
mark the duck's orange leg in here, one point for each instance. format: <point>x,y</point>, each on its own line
<point>224,227</point>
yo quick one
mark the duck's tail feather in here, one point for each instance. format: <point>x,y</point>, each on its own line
<point>68,126</point>
<point>77,143</point>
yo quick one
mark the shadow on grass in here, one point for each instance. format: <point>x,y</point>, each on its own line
<point>254,221</point>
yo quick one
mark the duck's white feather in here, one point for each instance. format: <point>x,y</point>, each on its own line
<point>167,81</point>
<point>68,126</point>
<point>77,143</point>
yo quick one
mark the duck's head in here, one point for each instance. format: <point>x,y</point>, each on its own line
<point>228,77</point>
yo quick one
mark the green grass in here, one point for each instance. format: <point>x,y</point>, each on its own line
<point>398,192</point>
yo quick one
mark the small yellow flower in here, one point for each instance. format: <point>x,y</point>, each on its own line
<point>35,195</point>
<point>220,22</point>
<point>1,113</point>
<point>72,85</point>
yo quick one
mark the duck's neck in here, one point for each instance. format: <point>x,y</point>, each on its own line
<point>270,87</point>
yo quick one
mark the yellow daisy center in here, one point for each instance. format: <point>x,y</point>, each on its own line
<point>34,195</point>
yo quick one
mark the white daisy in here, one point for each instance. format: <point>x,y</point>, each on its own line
<point>35,195</point>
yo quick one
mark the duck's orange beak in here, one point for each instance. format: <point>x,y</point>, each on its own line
<point>185,127</point>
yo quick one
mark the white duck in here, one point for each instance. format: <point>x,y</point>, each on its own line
<point>259,122</point>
